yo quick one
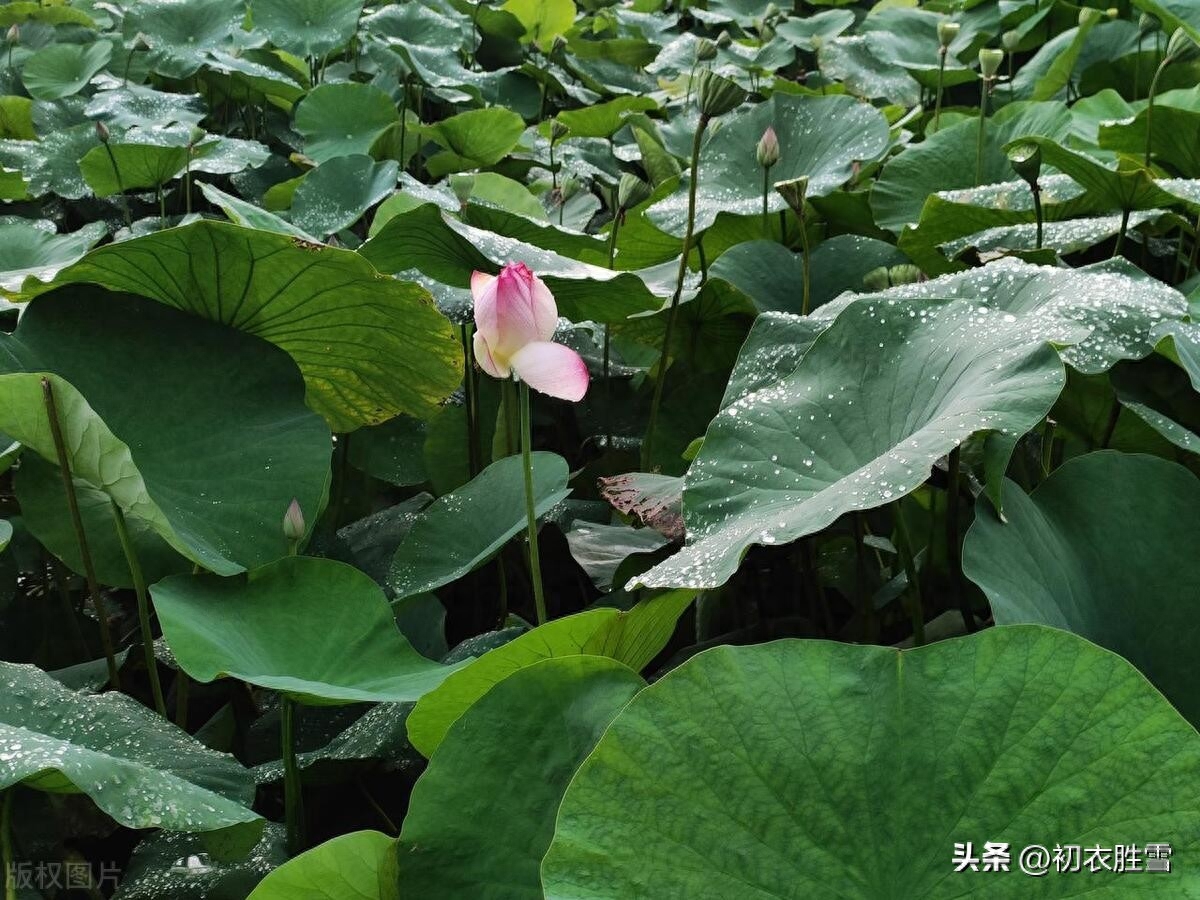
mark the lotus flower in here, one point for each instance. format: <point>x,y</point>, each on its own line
<point>515,318</point>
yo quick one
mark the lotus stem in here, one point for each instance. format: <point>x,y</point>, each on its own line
<point>143,604</point>
<point>64,467</point>
<point>120,185</point>
<point>1036,190</point>
<point>983,105</point>
<point>1150,110</point>
<point>472,401</point>
<point>182,689</point>
<point>937,103</point>
<point>6,852</point>
<point>766,189</point>
<point>535,568</point>
<point>1121,234</point>
<point>656,402</point>
<point>608,407</point>
<point>953,558</point>
<point>293,789</point>
<point>916,609</point>
<point>806,282</point>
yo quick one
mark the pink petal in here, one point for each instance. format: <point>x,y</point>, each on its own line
<point>545,310</point>
<point>552,369</point>
<point>487,310</point>
<point>515,324</point>
<point>479,281</point>
<point>487,362</point>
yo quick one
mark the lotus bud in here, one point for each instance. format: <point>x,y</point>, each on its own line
<point>947,31</point>
<point>559,46</point>
<point>768,148</point>
<point>1089,16</point>
<point>876,280</point>
<point>1010,41</point>
<point>293,522</point>
<point>717,95</point>
<point>1026,160</point>
<point>102,132</point>
<point>558,131</point>
<point>905,273</point>
<point>1178,44</point>
<point>705,50</point>
<point>1112,13</point>
<point>724,40</point>
<point>140,41</point>
<point>14,34</point>
<point>631,191</point>
<point>793,191</point>
<point>989,62</point>
<point>196,135</point>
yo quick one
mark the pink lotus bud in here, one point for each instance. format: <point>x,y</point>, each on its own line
<point>768,148</point>
<point>515,319</point>
<point>293,521</point>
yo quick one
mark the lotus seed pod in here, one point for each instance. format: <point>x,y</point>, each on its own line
<point>717,95</point>
<point>1026,160</point>
<point>558,131</point>
<point>1010,40</point>
<point>793,191</point>
<point>293,521</point>
<point>705,50</point>
<point>947,31</point>
<point>102,132</point>
<point>768,148</point>
<point>1179,44</point>
<point>905,273</point>
<point>14,34</point>
<point>989,62</point>
<point>1089,16</point>
<point>1147,23</point>
<point>724,39</point>
<point>1112,13</point>
<point>631,191</point>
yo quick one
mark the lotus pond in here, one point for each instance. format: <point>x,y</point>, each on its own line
<point>590,450</point>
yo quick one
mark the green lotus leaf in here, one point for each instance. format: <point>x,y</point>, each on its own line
<point>897,384</point>
<point>356,866</point>
<point>179,866</point>
<point>308,28</point>
<point>465,528</point>
<point>819,137</point>
<point>518,745</point>
<point>136,766</point>
<point>129,105</point>
<point>544,20</point>
<point>633,638</point>
<point>26,251</point>
<point>1048,563</point>
<point>18,13</point>
<point>342,119</point>
<point>473,139</point>
<point>316,629</point>
<point>181,33</point>
<point>51,164</point>
<point>6,533</point>
<point>338,192</point>
<point>136,383</point>
<point>368,346</point>
<point>63,70</point>
<point>760,765</point>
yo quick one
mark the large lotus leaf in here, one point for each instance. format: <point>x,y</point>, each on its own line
<point>137,166</point>
<point>369,346</point>
<point>1099,314</point>
<point>134,764</point>
<point>946,160</point>
<point>544,20</point>
<point>1175,138</point>
<point>889,388</point>
<point>909,38</point>
<point>1174,14</point>
<point>1053,562</point>
<point>466,527</point>
<point>128,105</point>
<point>62,70</point>
<point>356,866</point>
<point>760,765</point>
<point>633,638</point>
<point>181,33</point>
<point>169,864</point>
<point>848,59</point>
<point>812,31</point>
<point>340,119</point>
<point>314,628</point>
<point>22,11</point>
<point>307,28</point>
<point>27,251</point>
<point>254,73</point>
<point>473,139</point>
<point>518,746</point>
<point>335,195</point>
<point>819,137</point>
<point>197,429</point>
<point>440,246</point>
<point>51,164</point>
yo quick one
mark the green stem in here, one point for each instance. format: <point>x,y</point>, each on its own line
<point>112,158</point>
<point>656,402</point>
<point>1047,446</point>
<point>1121,233</point>
<point>187,184</point>
<point>162,208</point>
<point>143,603</point>
<point>1037,211</point>
<point>916,608</point>
<point>608,407</point>
<point>7,859</point>
<point>473,448</point>
<point>535,568</point>
<point>1191,266</point>
<point>937,103</point>
<point>508,413</point>
<point>953,558</point>
<point>182,689</point>
<point>983,104</point>
<point>89,570</point>
<point>293,793</point>
<point>1150,110</point>
<point>765,194</point>
<point>806,296</point>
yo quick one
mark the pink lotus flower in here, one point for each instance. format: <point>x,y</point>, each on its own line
<point>515,318</point>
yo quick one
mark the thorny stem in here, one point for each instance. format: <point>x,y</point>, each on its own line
<point>143,604</point>
<point>293,793</point>
<point>648,444</point>
<point>64,467</point>
<point>535,568</point>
